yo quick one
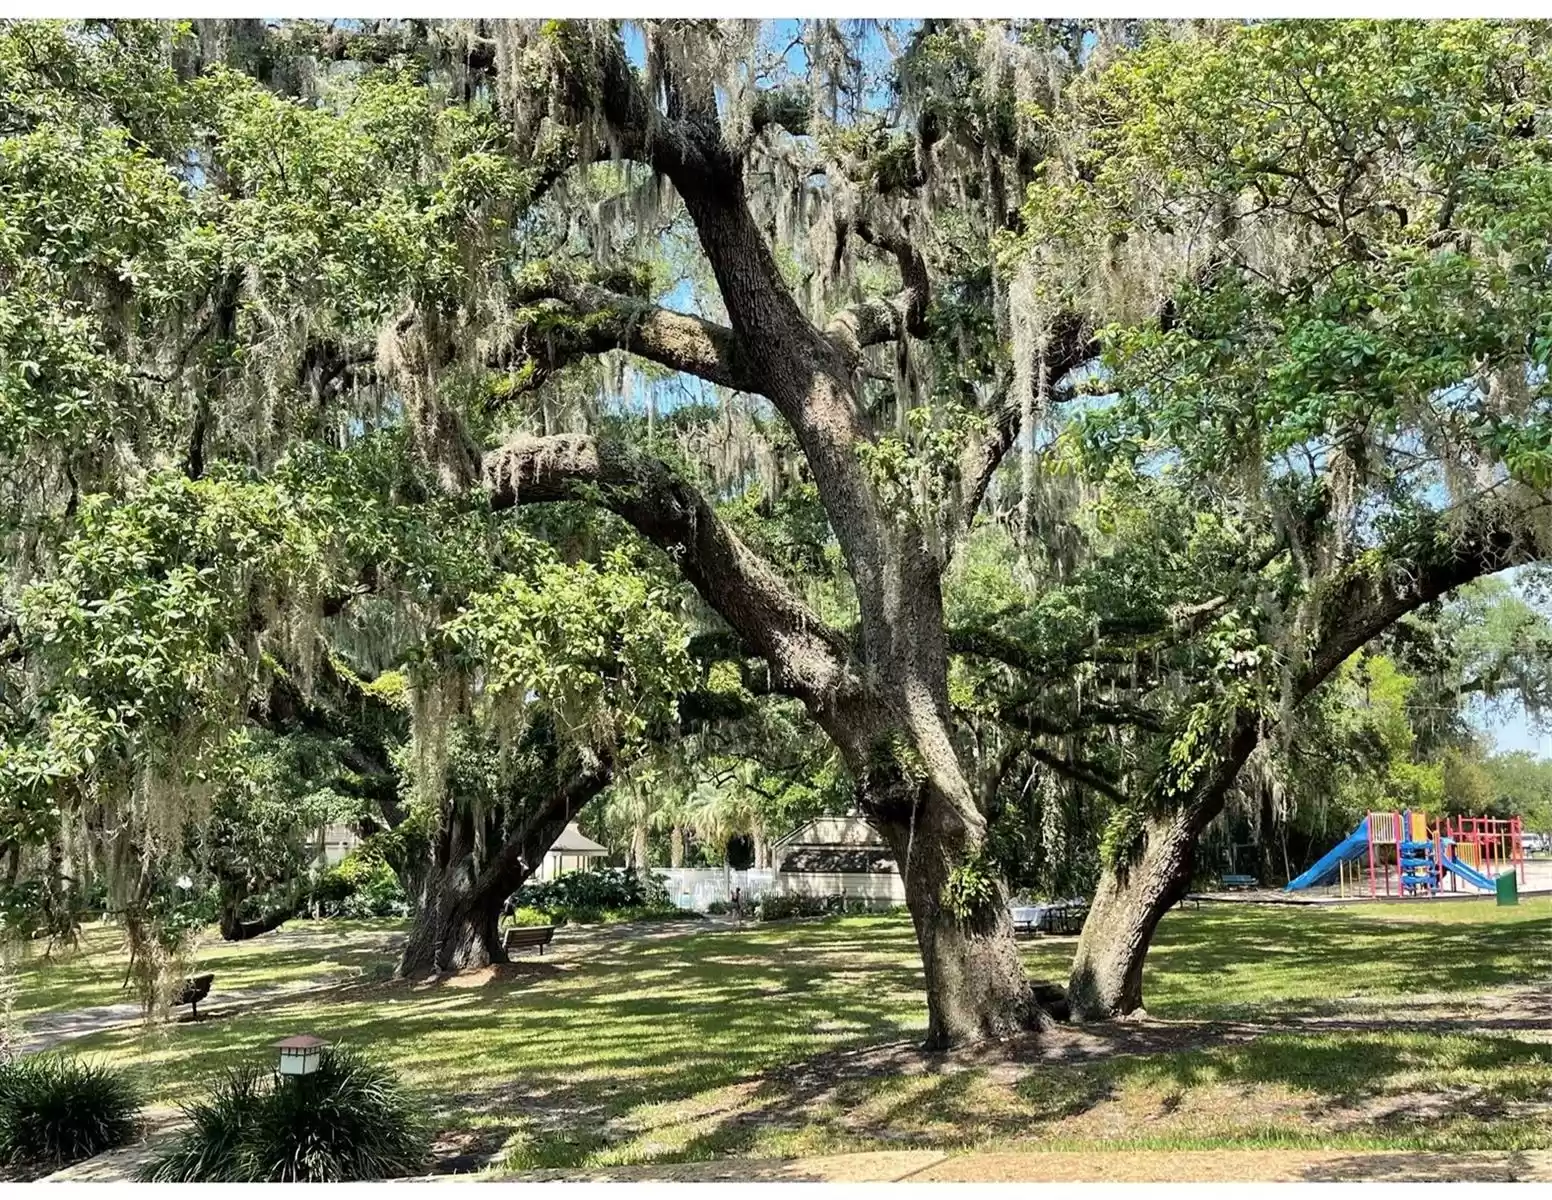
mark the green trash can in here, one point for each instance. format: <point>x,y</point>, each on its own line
<point>1508,889</point>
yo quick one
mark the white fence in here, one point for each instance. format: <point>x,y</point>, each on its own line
<point>697,887</point>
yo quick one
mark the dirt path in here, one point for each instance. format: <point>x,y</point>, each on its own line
<point>48,1030</point>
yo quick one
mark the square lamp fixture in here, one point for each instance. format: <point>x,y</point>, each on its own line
<point>300,1055</point>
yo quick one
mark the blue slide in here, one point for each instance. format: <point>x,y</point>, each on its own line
<point>1470,874</point>
<point>1355,845</point>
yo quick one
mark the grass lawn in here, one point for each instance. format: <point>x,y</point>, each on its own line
<point>1405,1026</point>
<point>93,973</point>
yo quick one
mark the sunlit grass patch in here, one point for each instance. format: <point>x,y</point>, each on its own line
<point>717,1043</point>
<point>93,973</point>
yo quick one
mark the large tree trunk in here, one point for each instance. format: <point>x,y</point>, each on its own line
<point>456,928</point>
<point>474,869</point>
<point>456,922</point>
<point>234,928</point>
<point>1106,978</point>
<point>974,974</point>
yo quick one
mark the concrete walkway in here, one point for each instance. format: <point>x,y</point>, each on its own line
<point>936,1166</point>
<point>119,1166</point>
<point>1097,1166</point>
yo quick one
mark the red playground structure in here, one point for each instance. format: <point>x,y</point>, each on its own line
<point>1400,854</point>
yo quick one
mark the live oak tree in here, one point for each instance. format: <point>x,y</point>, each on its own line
<point>881,691</point>
<point>1321,250</point>
<point>247,267</point>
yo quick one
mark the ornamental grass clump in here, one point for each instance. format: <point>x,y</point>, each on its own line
<point>56,1110</point>
<point>349,1120</point>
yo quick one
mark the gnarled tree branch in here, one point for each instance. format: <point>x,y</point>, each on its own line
<point>594,320</point>
<point>876,321</point>
<point>1070,347</point>
<point>808,658</point>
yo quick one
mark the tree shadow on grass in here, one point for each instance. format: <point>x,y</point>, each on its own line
<point>803,1039</point>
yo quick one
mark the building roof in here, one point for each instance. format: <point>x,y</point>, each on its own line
<point>573,841</point>
<point>833,831</point>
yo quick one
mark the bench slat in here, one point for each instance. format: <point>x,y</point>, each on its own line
<point>530,935</point>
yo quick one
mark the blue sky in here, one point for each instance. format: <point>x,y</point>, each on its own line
<point>1514,732</point>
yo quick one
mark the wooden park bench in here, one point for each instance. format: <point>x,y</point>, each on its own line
<point>520,936</point>
<point>1240,883</point>
<point>192,991</point>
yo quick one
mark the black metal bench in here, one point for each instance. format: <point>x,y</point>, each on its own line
<point>192,991</point>
<point>520,936</point>
<point>1240,883</point>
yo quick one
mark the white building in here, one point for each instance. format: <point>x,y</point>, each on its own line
<point>335,842</point>
<point>573,851</point>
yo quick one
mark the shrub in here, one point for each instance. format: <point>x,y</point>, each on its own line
<point>531,916</point>
<point>56,1110</point>
<point>607,894</point>
<point>349,1120</point>
<point>360,885</point>
<point>607,887</point>
<point>381,895</point>
<point>717,907</point>
<point>210,1152</point>
<point>774,907</point>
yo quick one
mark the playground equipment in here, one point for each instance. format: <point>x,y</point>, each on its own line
<point>1457,851</point>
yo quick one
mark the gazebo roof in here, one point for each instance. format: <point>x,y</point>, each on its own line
<point>573,841</point>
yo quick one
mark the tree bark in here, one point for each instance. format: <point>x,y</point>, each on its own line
<point>1106,979</point>
<point>455,926</point>
<point>639,849</point>
<point>474,870</point>
<point>234,928</point>
<point>975,981</point>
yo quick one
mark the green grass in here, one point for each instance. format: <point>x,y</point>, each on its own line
<point>93,973</point>
<point>683,1046</point>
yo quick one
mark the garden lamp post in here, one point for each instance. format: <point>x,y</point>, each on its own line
<point>300,1055</point>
